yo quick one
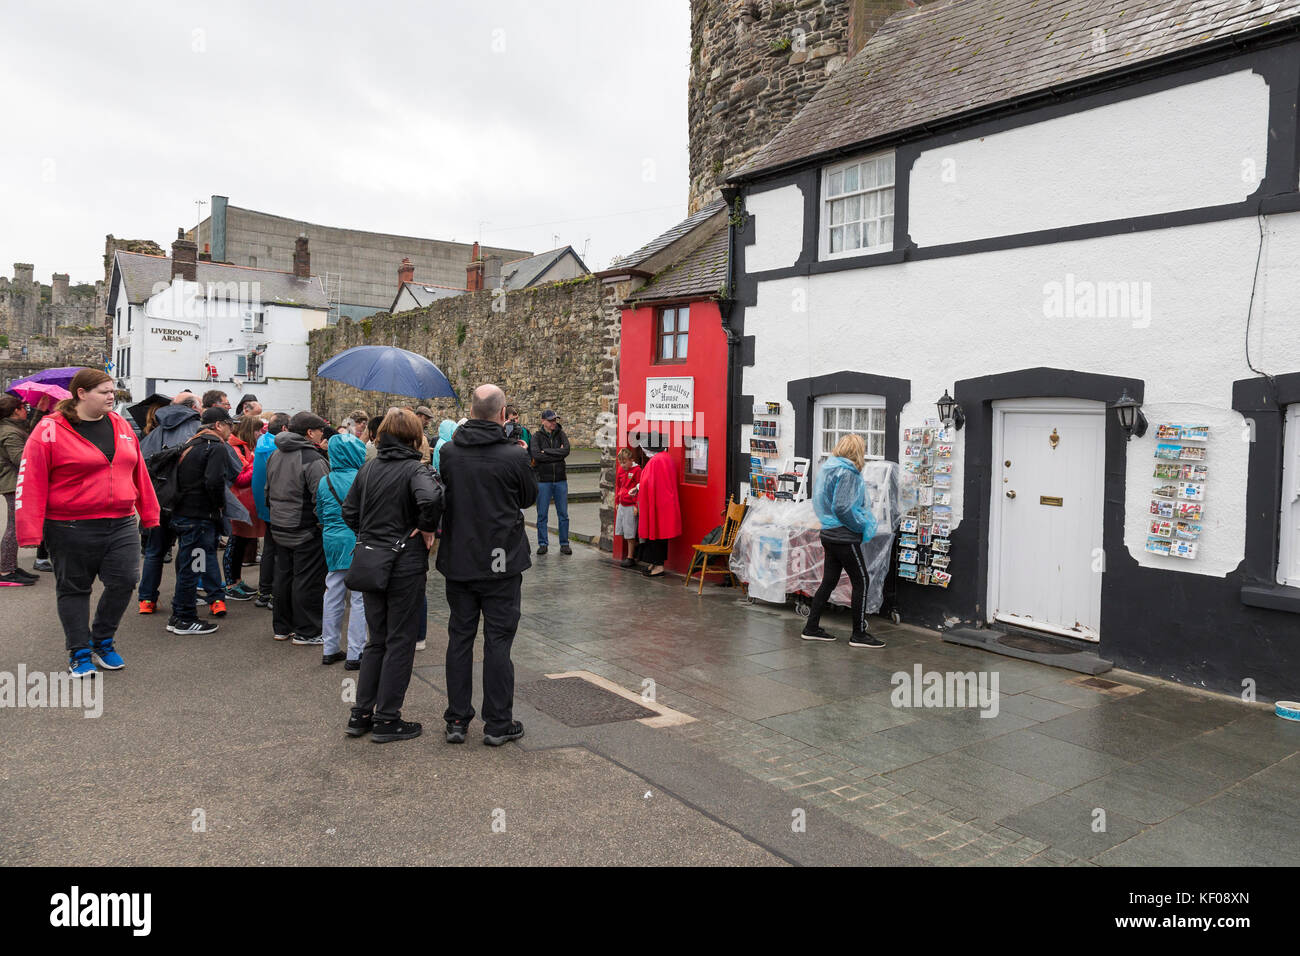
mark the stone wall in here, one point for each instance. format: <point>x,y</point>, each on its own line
<point>47,351</point>
<point>548,347</point>
<point>754,64</point>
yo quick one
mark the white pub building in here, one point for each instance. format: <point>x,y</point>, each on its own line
<point>1072,234</point>
<point>181,323</point>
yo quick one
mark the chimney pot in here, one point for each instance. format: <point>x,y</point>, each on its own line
<point>405,273</point>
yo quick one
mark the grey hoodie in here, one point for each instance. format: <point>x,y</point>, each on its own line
<point>293,474</point>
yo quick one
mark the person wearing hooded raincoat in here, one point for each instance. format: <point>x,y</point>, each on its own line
<point>659,513</point>
<point>445,431</point>
<point>840,501</point>
<point>347,454</point>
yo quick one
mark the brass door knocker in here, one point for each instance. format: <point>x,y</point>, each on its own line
<point>1054,439</point>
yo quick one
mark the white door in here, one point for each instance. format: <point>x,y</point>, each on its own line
<point>1045,540</point>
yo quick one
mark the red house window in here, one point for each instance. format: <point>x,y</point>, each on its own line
<point>672,331</point>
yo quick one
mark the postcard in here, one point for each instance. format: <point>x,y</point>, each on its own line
<point>940,530</point>
<point>1169,470</point>
<point>1183,549</point>
<point>1187,532</point>
<point>944,451</point>
<point>1168,452</point>
<point>1192,491</point>
<point>1156,546</point>
<point>943,481</point>
<point>907,541</point>
<point>941,578</point>
<point>907,557</point>
<point>1162,509</point>
<point>943,498</point>
<point>1166,430</point>
<point>1188,509</point>
<point>941,545</point>
<point>922,575</point>
<point>1161,529</point>
<point>925,535</point>
<point>1165,491</point>
<point>1191,472</point>
<point>939,560</point>
<point>943,468</point>
<point>1192,453</point>
<point>1196,432</point>
<point>908,525</point>
<point>925,495</point>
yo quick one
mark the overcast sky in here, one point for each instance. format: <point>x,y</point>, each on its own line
<point>532,117</point>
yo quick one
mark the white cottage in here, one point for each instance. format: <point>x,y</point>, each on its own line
<point>179,323</point>
<point>1037,210</point>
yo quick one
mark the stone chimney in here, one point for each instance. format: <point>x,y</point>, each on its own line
<point>492,272</point>
<point>59,289</point>
<point>206,254</point>
<point>405,273</point>
<point>474,271</point>
<point>301,258</point>
<point>185,257</point>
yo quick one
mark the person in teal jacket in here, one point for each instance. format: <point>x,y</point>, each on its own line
<point>347,455</point>
<point>840,500</point>
<point>445,431</point>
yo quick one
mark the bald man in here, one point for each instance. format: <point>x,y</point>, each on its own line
<point>483,555</point>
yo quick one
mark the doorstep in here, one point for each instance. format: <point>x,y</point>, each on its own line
<point>1054,652</point>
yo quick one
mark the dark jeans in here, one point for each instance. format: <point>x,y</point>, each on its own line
<point>393,619</point>
<point>158,541</point>
<point>266,574</point>
<point>300,587</point>
<point>498,602</point>
<point>842,556</point>
<point>196,558</point>
<point>81,550</point>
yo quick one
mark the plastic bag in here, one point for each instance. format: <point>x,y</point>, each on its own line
<point>778,550</point>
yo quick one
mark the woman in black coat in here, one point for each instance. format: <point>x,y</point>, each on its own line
<point>395,498</point>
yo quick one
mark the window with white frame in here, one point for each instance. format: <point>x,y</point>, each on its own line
<point>857,215</point>
<point>253,320</point>
<point>1288,565</point>
<point>835,416</point>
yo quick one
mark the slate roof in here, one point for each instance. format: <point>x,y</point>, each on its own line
<point>141,273</point>
<point>424,294</point>
<point>701,273</point>
<point>948,58</point>
<point>669,237</point>
<point>522,273</point>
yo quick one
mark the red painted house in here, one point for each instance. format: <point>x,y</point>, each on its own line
<point>673,376</point>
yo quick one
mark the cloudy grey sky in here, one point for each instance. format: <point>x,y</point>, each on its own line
<point>533,117</point>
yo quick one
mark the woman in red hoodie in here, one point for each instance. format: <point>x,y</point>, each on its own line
<point>82,483</point>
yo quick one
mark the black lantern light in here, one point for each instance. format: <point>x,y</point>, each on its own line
<point>950,412</point>
<point>1131,419</point>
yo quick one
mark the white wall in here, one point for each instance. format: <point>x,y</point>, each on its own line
<point>1203,144</point>
<point>940,320</point>
<point>776,246</point>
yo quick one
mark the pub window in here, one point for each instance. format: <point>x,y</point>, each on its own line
<point>671,333</point>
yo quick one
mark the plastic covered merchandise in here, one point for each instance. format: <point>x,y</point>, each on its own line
<point>778,550</point>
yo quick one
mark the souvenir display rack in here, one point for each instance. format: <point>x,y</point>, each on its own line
<point>926,499</point>
<point>764,473</point>
<point>1178,495</point>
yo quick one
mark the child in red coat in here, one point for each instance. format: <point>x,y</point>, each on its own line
<point>626,485</point>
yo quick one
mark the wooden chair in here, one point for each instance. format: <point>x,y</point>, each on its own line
<point>703,552</point>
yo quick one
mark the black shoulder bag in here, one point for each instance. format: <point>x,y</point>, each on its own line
<point>372,564</point>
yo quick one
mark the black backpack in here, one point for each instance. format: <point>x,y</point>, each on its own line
<point>163,467</point>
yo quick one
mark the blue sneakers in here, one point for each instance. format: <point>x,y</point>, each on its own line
<point>106,657</point>
<point>81,665</point>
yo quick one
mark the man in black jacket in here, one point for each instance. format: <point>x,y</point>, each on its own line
<point>196,519</point>
<point>483,556</point>
<point>549,446</point>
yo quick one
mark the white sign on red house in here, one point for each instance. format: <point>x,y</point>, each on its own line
<point>670,399</point>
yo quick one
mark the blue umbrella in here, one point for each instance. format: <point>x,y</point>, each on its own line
<point>386,368</point>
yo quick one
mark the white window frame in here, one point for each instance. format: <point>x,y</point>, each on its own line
<point>253,321</point>
<point>825,210</point>
<point>1288,563</point>
<point>850,401</point>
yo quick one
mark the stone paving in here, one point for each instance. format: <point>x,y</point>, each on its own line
<point>1183,777</point>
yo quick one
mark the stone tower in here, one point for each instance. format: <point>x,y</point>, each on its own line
<point>754,64</point>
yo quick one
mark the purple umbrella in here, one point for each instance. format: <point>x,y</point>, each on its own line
<point>61,377</point>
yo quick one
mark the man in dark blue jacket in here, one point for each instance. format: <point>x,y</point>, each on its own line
<point>483,556</point>
<point>549,446</point>
<point>196,518</point>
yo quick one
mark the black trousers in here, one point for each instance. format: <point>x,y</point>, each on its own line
<point>498,603</point>
<point>107,548</point>
<point>300,587</point>
<point>393,619</point>
<point>266,574</point>
<point>846,557</point>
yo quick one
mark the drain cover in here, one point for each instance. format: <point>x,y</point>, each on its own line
<point>1099,683</point>
<point>1039,646</point>
<point>575,702</point>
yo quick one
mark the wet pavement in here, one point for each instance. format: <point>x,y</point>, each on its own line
<point>765,749</point>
